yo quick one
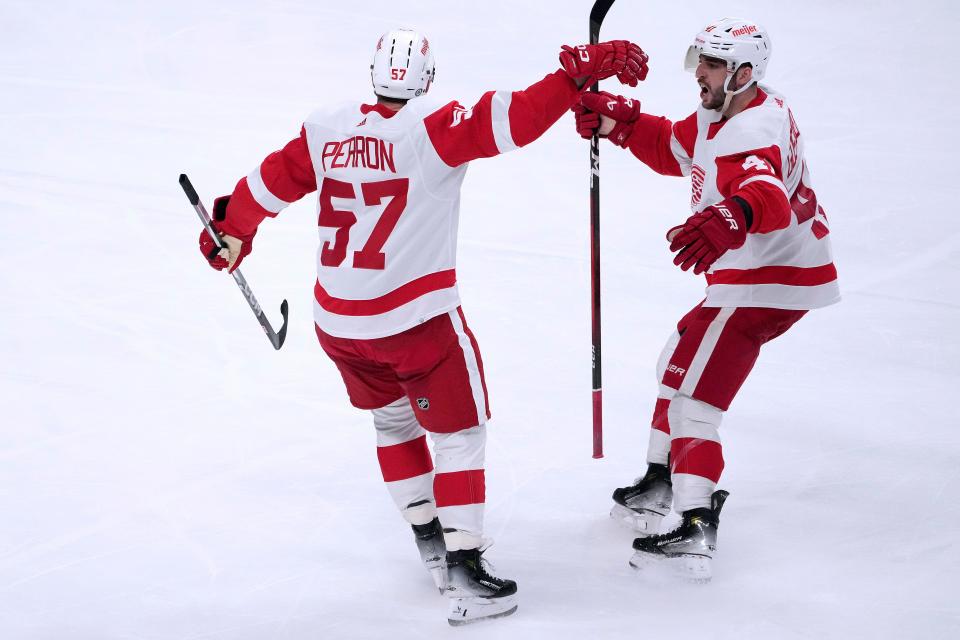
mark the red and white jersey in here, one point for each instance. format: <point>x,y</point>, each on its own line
<point>786,261</point>
<point>389,198</point>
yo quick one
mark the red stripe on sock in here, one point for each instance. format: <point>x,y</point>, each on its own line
<point>660,422</point>
<point>698,457</point>
<point>405,460</point>
<point>460,487</point>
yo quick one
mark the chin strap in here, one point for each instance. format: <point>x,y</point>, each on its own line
<point>730,93</point>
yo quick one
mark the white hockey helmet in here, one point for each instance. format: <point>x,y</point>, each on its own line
<point>403,65</point>
<point>735,41</point>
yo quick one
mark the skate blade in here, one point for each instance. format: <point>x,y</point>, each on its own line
<point>646,523</point>
<point>474,609</point>
<point>692,569</point>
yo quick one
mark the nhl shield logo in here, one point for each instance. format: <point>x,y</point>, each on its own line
<point>423,403</point>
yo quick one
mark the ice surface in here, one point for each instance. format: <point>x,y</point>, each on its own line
<point>165,474</point>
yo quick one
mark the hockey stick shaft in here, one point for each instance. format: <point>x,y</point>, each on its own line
<point>597,14</point>
<point>276,338</point>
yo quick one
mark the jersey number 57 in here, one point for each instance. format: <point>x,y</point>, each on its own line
<point>370,256</point>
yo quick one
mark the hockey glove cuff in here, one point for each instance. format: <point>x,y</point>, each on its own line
<point>709,234</point>
<point>238,246</point>
<point>588,122</point>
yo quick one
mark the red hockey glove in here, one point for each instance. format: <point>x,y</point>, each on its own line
<point>624,111</point>
<point>588,122</point>
<point>589,63</point>
<point>238,246</point>
<point>707,235</point>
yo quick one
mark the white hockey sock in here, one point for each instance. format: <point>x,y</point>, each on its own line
<point>696,454</point>
<point>405,461</point>
<point>460,485</point>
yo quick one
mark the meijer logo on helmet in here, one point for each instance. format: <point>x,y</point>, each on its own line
<point>744,31</point>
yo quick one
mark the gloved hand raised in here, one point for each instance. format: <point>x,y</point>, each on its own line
<point>588,122</point>
<point>707,235</point>
<point>589,63</point>
<point>238,246</point>
<point>623,111</point>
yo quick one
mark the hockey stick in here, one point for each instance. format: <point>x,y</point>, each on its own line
<point>276,338</point>
<point>597,14</point>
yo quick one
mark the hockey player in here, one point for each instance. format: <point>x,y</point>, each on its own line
<point>759,235</point>
<point>387,309</point>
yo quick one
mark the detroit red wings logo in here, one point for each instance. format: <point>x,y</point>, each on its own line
<point>697,174</point>
<point>460,114</point>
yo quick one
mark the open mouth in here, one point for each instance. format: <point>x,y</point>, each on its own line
<point>703,90</point>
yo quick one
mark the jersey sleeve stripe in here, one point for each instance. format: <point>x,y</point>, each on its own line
<point>681,155</point>
<point>764,178</point>
<point>685,133</point>
<point>653,143</point>
<point>262,195</point>
<point>500,121</point>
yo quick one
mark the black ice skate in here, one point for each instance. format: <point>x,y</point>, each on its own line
<point>475,593</point>
<point>433,551</point>
<point>689,548</point>
<point>642,505</point>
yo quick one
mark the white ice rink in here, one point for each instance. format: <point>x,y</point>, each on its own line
<point>164,474</point>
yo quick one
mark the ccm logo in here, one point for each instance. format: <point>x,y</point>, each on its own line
<point>744,31</point>
<point>677,370</point>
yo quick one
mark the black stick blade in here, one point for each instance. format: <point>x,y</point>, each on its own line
<point>282,334</point>
<point>189,190</point>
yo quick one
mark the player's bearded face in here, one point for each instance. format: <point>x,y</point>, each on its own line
<point>711,77</point>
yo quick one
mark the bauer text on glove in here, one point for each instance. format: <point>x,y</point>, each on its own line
<point>707,235</point>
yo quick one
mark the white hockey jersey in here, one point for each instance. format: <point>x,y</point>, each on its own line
<point>786,261</point>
<point>389,198</point>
